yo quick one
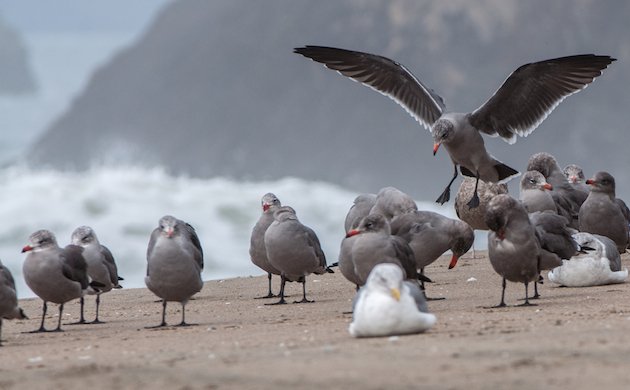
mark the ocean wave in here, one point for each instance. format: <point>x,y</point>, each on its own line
<point>124,204</point>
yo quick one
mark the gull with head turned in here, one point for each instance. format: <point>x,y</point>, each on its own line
<point>257,249</point>
<point>601,214</point>
<point>55,274</point>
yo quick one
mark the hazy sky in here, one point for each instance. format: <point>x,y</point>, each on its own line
<point>79,15</point>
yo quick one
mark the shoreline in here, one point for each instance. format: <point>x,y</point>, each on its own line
<point>574,338</point>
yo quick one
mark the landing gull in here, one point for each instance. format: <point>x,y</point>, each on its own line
<point>522,102</point>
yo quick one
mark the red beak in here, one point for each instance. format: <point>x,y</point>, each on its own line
<point>352,232</point>
<point>547,186</point>
<point>436,146</point>
<point>590,181</point>
<point>266,207</point>
<point>453,262</point>
<point>27,248</point>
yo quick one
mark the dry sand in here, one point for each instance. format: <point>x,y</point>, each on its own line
<point>575,338</point>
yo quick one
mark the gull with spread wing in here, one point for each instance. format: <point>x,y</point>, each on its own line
<point>524,100</point>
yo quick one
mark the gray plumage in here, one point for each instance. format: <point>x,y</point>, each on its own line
<point>9,308</point>
<point>431,234</point>
<point>600,214</point>
<point>391,202</point>
<point>360,209</point>
<point>174,264</point>
<point>576,178</point>
<point>513,248</point>
<point>522,102</point>
<point>54,274</point>
<point>598,263</point>
<point>372,244</point>
<point>293,249</point>
<point>602,246</point>
<point>535,193</point>
<point>555,236</point>
<point>567,198</point>
<point>257,250</point>
<point>346,261</point>
<point>101,266</point>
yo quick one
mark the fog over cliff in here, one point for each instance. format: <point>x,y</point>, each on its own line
<point>212,88</point>
<point>16,76</point>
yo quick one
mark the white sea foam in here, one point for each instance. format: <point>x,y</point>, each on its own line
<point>123,206</point>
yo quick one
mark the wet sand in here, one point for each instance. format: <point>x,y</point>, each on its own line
<point>574,338</point>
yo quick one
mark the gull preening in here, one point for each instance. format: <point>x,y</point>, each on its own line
<point>522,102</point>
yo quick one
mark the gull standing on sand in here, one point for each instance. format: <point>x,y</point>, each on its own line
<point>387,306</point>
<point>9,308</point>
<point>567,198</point>
<point>600,214</point>
<point>597,264</point>
<point>54,274</point>
<point>391,202</point>
<point>101,266</point>
<point>513,249</point>
<point>360,209</point>
<point>257,249</point>
<point>524,100</point>
<point>575,176</point>
<point>555,238</point>
<point>534,193</point>
<point>431,234</point>
<point>294,250</point>
<point>174,264</point>
<point>372,244</point>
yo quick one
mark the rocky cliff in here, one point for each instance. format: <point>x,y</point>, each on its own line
<point>212,88</point>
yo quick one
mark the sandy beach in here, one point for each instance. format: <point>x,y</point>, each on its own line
<point>574,338</point>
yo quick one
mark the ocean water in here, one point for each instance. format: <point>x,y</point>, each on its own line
<point>123,204</point>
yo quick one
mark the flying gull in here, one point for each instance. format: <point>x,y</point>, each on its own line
<point>524,100</point>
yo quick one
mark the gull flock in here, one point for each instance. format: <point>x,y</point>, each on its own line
<point>560,222</point>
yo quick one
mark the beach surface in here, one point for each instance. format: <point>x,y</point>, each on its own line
<point>574,338</point>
